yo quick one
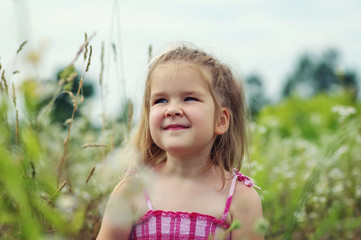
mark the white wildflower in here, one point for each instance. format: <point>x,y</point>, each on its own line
<point>52,236</point>
<point>339,152</point>
<point>319,199</point>
<point>338,188</point>
<point>289,174</point>
<point>81,194</point>
<point>321,187</point>
<point>66,203</point>
<point>252,126</point>
<point>343,111</point>
<point>262,129</point>
<point>300,215</point>
<point>336,173</point>
<point>322,199</point>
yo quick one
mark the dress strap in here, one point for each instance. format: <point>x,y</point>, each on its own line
<point>147,199</point>
<point>247,181</point>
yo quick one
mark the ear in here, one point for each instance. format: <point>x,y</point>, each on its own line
<point>222,122</point>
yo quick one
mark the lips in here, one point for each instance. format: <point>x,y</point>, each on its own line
<point>175,127</point>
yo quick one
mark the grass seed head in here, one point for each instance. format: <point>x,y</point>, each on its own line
<point>90,55</point>
<point>21,47</point>
<point>67,72</point>
<point>4,80</point>
<point>71,77</point>
<point>68,121</point>
<point>86,42</point>
<point>150,53</point>
<point>14,96</point>
<point>71,95</point>
<point>114,51</point>
<point>102,65</point>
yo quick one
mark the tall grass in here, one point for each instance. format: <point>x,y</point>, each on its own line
<point>46,171</point>
<point>310,179</point>
<point>54,182</point>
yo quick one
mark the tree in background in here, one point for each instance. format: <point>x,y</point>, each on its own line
<point>313,75</point>
<point>63,107</point>
<point>255,94</point>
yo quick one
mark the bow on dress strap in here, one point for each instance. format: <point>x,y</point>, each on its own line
<point>247,181</point>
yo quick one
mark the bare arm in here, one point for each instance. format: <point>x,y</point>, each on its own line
<point>247,208</point>
<point>118,215</point>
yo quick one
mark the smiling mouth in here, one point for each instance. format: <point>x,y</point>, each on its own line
<point>175,127</point>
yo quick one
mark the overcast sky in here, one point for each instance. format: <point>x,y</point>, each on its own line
<point>263,37</point>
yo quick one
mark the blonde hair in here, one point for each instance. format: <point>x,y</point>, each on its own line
<point>228,149</point>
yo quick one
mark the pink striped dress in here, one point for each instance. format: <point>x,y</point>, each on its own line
<point>167,225</point>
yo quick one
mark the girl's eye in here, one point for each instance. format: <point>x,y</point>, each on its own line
<point>190,99</point>
<point>160,100</point>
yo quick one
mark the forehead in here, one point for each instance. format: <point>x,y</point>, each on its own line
<point>180,74</point>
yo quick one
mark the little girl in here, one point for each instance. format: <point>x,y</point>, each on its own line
<point>192,137</point>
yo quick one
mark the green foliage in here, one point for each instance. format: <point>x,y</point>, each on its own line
<point>68,74</point>
<point>305,156</point>
<point>36,202</point>
<point>306,159</point>
<point>20,216</point>
<point>308,119</point>
<point>32,95</point>
<point>33,204</point>
<point>31,144</point>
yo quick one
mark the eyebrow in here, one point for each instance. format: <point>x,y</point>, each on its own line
<point>190,92</point>
<point>157,94</point>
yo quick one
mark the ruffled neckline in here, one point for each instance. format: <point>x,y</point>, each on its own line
<point>181,214</point>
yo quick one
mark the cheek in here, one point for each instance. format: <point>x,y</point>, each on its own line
<point>202,114</point>
<point>155,118</point>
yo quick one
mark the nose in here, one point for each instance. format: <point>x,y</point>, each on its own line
<point>174,110</point>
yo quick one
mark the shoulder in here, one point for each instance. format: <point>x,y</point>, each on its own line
<point>124,194</point>
<point>129,191</point>
<point>246,207</point>
<point>129,185</point>
<point>244,194</point>
<point>120,209</point>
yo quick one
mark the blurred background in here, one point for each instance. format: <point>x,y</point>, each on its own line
<point>72,75</point>
<point>263,39</point>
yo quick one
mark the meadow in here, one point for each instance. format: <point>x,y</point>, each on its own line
<point>55,178</point>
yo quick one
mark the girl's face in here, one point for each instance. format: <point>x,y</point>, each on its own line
<point>182,110</point>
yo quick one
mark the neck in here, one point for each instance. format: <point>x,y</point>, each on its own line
<point>186,167</point>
